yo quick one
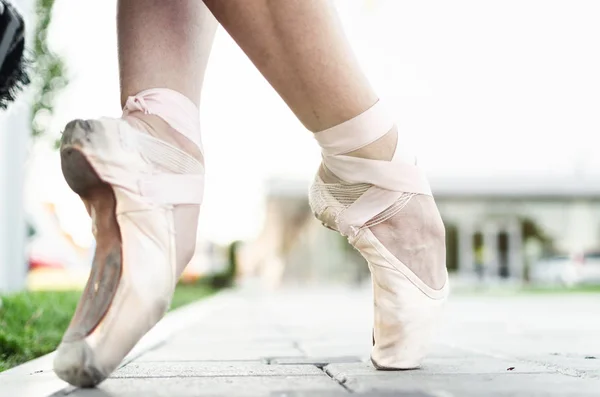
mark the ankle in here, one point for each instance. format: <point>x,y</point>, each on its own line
<point>148,123</point>
<point>383,148</point>
<point>158,128</point>
<point>167,115</point>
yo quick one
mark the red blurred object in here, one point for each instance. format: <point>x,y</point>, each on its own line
<point>41,263</point>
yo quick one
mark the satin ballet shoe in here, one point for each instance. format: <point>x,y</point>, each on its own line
<point>352,195</point>
<point>131,183</point>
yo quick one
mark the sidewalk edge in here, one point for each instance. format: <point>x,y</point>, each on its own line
<point>36,378</point>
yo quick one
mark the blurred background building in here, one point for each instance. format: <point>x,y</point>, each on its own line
<point>501,109</point>
<point>498,230</point>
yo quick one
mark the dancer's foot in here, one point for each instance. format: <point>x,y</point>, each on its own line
<point>141,178</point>
<point>371,192</point>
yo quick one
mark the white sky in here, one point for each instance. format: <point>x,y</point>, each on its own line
<point>482,88</point>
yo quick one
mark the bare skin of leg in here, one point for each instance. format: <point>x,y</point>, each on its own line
<point>300,48</point>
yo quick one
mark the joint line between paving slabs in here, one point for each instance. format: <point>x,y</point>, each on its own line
<point>339,382</point>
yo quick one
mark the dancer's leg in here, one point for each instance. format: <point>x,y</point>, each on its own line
<point>163,45</point>
<point>166,45</point>
<point>141,178</point>
<point>300,48</point>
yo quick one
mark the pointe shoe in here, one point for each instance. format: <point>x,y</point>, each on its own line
<point>130,183</point>
<point>359,193</point>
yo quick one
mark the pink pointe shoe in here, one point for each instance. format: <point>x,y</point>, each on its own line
<point>131,184</point>
<point>353,195</point>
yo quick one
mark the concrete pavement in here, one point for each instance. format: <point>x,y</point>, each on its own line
<point>316,342</point>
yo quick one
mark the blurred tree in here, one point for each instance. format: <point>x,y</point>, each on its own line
<point>48,74</point>
<point>226,278</point>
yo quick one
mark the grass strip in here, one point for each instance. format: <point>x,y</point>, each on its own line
<point>32,323</point>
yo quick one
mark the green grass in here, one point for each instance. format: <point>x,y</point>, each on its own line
<point>527,290</point>
<point>32,323</point>
<point>583,289</point>
<point>188,293</point>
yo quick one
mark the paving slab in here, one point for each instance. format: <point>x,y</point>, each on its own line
<point>329,347</point>
<point>241,386</point>
<point>445,366</point>
<point>175,352</point>
<point>317,361</point>
<point>23,385</point>
<point>213,369</point>
<point>578,365</point>
<point>316,342</point>
<point>345,394</point>
<point>476,385</point>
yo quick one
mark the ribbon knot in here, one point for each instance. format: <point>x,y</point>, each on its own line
<point>135,103</point>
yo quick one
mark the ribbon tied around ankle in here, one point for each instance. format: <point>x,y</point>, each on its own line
<point>389,179</point>
<point>171,106</point>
